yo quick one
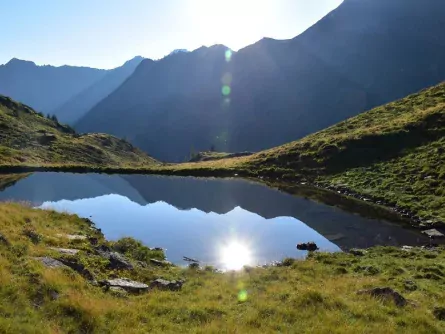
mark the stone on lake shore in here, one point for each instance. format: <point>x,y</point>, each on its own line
<point>308,246</point>
<point>433,233</point>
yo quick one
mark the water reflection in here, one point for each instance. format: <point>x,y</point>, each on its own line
<point>227,241</point>
<point>235,255</point>
<point>206,218</point>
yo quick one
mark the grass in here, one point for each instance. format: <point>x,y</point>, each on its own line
<point>394,153</point>
<point>318,295</point>
<point>29,139</point>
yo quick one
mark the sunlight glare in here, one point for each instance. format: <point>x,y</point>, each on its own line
<point>235,255</point>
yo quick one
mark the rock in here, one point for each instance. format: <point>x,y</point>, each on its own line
<point>433,233</point>
<point>72,236</point>
<point>160,263</point>
<point>407,248</point>
<point>157,249</point>
<point>50,262</point>
<point>385,293</point>
<point>125,284</point>
<point>162,284</point>
<point>358,252</point>
<point>309,246</point>
<point>79,268</point>
<point>117,260</point>
<point>67,251</point>
<point>439,313</point>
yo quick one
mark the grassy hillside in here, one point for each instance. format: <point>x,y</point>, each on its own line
<point>30,139</point>
<point>394,154</point>
<point>318,295</point>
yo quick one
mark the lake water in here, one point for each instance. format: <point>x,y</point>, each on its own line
<point>222,222</point>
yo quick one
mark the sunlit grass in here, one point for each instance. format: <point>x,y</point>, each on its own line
<point>316,296</point>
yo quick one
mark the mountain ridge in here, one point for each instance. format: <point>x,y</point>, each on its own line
<point>354,59</point>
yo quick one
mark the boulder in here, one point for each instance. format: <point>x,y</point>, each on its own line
<point>433,233</point>
<point>125,284</point>
<point>50,262</point>
<point>66,251</point>
<point>72,236</point>
<point>357,252</point>
<point>385,293</point>
<point>308,246</point>
<point>160,263</point>
<point>117,260</point>
<point>163,284</point>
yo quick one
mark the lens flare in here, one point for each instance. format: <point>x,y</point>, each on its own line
<point>235,255</point>
<point>226,90</point>
<point>242,296</point>
<point>228,55</point>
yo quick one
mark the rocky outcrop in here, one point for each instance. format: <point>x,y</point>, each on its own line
<point>116,260</point>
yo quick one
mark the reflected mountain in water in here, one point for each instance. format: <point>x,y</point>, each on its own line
<point>220,196</point>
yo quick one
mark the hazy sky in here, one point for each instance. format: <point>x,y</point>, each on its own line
<point>106,33</point>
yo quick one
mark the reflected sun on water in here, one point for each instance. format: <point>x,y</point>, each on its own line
<point>235,255</point>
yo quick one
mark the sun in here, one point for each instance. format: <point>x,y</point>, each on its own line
<point>235,23</point>
<point>235,255</point>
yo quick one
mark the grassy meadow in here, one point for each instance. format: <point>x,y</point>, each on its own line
<point>317,295</point>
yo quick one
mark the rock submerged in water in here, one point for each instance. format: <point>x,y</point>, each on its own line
<point>308,246</point>
<point>386,293</point>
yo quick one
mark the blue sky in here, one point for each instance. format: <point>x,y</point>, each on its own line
<point>106,33</point>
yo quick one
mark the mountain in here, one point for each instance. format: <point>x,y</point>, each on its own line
<point>361,55</point>
<point>27,138</point>
<point>45,87</point>
<point>392,155</point>
<point>76,107</point>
